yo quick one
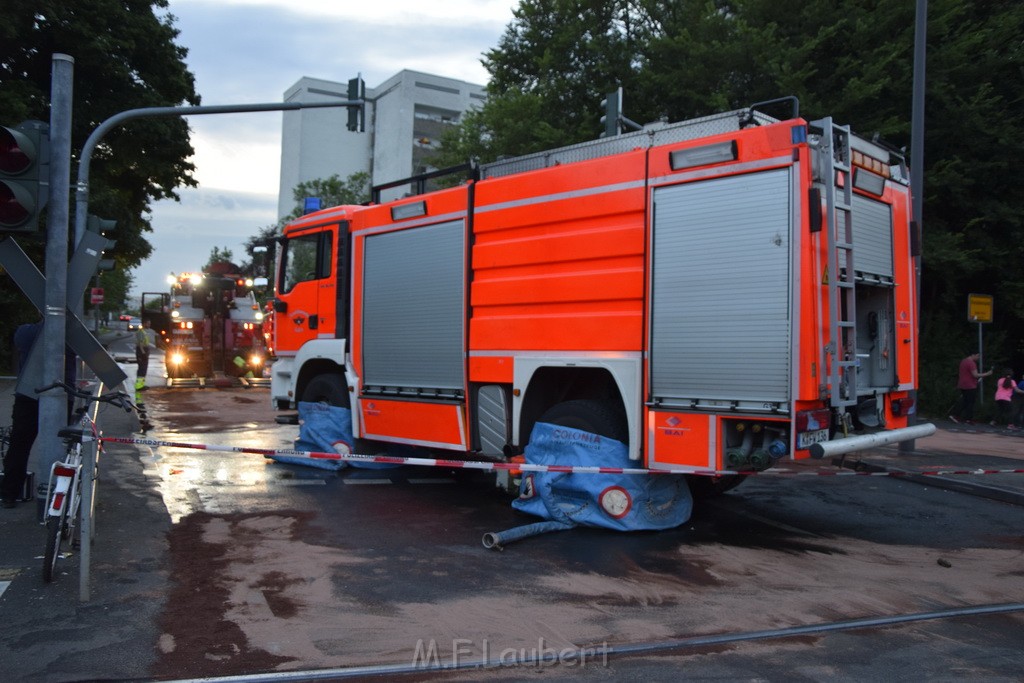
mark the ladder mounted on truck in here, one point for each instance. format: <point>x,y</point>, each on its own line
<point>834,164</point>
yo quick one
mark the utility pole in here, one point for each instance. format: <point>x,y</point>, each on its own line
<point>917,175</point>
<point>53,403</point>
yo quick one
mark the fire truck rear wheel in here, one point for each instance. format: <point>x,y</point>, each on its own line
<point>328,389</point>
<point>604,418</point>
<point>709,487</point>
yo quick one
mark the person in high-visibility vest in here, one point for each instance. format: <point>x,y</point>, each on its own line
<point>142,347</point>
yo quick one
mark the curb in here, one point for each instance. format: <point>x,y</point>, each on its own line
<point>948,483</point>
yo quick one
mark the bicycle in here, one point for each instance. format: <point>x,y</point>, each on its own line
<point>60,516</point>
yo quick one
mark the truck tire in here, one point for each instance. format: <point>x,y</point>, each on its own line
<point>604,418</point>
<point>708,487</point>
<point>329,389</point>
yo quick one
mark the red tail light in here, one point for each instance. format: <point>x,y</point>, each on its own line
<point>62,471</point>
<point>811,420</point>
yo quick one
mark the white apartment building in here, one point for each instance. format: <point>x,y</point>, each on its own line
<point>405,117</point>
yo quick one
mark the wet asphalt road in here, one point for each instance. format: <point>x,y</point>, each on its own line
<point>215,564</point>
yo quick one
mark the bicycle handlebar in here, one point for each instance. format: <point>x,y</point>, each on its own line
<point>116,398</point>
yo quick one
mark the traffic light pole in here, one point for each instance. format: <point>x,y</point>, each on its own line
<point>53,404</point>
<point>82,188</point>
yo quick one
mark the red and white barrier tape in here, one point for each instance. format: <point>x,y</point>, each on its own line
<point>528,467</point>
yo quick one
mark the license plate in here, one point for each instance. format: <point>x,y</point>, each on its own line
<point>805,439</point>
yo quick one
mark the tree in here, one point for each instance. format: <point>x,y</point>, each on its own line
<point>552,67</point>
<point>125,57</point>
<point>332,191</point>
<point>116,285</point>
<point>218,255</point>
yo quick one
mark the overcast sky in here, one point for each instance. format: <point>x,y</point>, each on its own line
<point>249,51</point>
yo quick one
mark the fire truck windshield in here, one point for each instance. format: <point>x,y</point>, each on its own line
<point>299,261</point>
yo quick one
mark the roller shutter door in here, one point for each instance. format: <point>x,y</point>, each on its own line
<point>413,319</point>
<point>720,320</point>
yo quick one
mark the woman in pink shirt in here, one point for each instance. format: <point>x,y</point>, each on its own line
<point>1005,388</point>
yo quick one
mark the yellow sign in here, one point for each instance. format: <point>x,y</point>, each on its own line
<point>979,308</point>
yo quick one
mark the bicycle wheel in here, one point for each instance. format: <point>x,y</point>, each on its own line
<point>54,536</point>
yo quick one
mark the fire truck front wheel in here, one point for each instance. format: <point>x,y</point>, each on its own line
<point>604,418</point>
<point>329,388</point>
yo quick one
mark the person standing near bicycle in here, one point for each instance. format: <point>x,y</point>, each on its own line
<point>25,416</point>
<point>143,345</point>
<point>24,421</point>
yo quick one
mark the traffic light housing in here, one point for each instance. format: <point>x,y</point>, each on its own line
<point>357,113</point>
<point>101,226</point>
<point>24,175</point>
<point>612,105</point>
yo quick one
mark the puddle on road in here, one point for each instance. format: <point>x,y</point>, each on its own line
<point>200,480</point>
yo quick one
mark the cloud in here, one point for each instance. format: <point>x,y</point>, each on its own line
<point>251,51</point>
<point>184,233</point>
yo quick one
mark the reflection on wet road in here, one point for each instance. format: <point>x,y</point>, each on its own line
<point>197,481</point>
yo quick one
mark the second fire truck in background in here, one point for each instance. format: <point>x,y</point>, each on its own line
<point>209,325</point>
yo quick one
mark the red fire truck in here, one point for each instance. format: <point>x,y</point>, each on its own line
<point>209,324</point>
<point>716,293</point>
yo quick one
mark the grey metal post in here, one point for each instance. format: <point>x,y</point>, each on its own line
<point>53,404</point>
<point>917,173</point>
<point>981,367</point>
<point>88,503</point>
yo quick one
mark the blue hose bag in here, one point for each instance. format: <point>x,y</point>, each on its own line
<point>624,502</point>
<point>325,428</point>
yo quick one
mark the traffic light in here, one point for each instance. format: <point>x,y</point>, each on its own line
<point>24,175</point>
<point>357,113</point>
<point>612,105</point>
<point>101,226</point>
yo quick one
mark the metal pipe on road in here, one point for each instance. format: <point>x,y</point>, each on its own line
<point>495,540</point>
<point>859,443</point>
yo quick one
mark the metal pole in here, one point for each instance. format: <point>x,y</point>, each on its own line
<point>981,369</point>
<point>917,174</point>
<point>53,404</point>
<point>90,453</point>
<point>82,188</point>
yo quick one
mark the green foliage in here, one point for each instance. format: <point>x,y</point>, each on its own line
<point>849,59</point>
<point>125,57</point>
<point>219,255</point>
<point>332,191</point>
<point>116,286</point>
<point>552,66</point>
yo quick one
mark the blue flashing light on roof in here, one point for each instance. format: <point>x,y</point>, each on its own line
<point>311,204</point>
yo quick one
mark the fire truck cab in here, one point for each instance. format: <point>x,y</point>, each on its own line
<point>207,323</point>
<point>717,294</point>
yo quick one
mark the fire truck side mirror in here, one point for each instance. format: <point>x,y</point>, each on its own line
<point>280,306</point>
